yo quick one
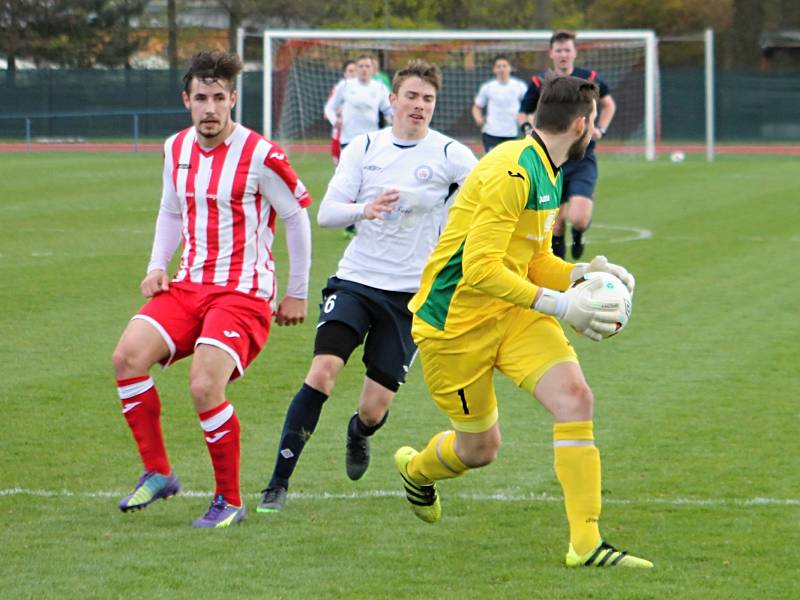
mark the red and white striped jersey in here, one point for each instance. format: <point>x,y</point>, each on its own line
<point>228,198</point>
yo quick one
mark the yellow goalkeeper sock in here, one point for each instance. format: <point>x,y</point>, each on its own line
<point>577,465</point>
<point>437,461</point>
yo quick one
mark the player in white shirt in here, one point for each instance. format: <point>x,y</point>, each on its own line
<point>499,98</point>
<point>348,72</point>
<point>223,186</point>
<point>395,186</point>
<point>356,104</point>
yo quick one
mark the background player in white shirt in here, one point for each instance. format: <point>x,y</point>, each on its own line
<point>499,98</point>
<point>394,185</point>
<point>223,185</point>
<point>348,72</point>
<point>357,104</point>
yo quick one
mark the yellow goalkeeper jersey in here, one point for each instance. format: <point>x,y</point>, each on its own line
<point>495,250</point>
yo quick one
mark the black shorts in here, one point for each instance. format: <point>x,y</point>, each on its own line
<point>381,320</point>
<point>580,177</point>
<point>490,141</point>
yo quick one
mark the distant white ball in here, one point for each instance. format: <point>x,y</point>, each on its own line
<point>677,156</point>
<point>612,293</point>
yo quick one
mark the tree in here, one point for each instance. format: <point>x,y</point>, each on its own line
<point>109,31</point>
<point>69,33</point>
<point>664,16</point>
<point>14,19</point>
<point>237,11</point>
<point>172,42</point>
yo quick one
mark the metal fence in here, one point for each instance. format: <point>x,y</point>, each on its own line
<point>135,105</point>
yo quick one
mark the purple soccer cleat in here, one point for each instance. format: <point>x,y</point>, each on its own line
<point>151,487</point>
<point>221,514</point>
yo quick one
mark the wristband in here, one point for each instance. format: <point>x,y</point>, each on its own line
<point>551,302</point>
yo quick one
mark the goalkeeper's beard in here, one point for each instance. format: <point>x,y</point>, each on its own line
<point>578,148</point>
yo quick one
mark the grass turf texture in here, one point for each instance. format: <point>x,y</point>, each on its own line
<point>695,412</point>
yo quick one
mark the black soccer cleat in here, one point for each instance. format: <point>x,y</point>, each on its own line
<point>559,246</point>
<point>577,249</point>
<point>273,500</point>
<point>356,455</point>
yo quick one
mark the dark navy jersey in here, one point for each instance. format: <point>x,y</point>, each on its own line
<point>531,98</point>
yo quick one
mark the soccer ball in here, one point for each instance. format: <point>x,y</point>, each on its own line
<point>677,156</point>
<point>612,292</point>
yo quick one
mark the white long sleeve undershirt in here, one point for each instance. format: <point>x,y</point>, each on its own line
<point>166,239</point>
<point>298,243</point>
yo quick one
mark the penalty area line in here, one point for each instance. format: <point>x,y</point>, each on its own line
<point>367,494</point>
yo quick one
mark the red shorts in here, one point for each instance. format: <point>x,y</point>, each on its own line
<point>189,314</point>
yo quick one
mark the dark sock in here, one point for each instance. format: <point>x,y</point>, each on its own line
<point>577,235</point>
<point>559,249</point>
<point>358,427</point>
<point>300,422</point>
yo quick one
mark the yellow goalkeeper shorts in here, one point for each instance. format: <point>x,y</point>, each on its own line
<point>521,344</point>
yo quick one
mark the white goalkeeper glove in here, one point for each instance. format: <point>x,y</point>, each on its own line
<point>600,263</point>
<point>593,319</point>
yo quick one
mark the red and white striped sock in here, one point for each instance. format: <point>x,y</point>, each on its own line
<point>221,428</point>
<point>141,407</point>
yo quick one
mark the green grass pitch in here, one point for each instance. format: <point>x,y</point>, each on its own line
<point>696,412</point>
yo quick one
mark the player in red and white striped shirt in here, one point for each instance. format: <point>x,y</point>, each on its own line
<point>223,187</point>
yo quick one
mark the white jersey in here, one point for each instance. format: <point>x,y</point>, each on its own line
<point>391,254</point>
<point>361,105</point>
<point>228,198</point>
<point>501,101</point>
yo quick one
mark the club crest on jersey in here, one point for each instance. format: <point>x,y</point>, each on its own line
<point>423,173</point>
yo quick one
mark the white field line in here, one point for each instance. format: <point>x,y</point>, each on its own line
<point>629,233</point>
<point>499,497</point>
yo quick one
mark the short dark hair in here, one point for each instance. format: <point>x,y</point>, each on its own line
<point>346,64</point>
<point>213,65</point>
<point>500,57</point>
<point>562,100</point>
<point>562,35</point>
<point>417,67</point>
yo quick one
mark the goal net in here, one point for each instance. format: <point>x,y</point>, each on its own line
<point>301,67</point>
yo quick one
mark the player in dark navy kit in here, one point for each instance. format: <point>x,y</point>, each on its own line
<point>580,176</point>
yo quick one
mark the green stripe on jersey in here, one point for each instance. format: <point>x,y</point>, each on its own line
<point>543,195</point>
<point>437,304</point>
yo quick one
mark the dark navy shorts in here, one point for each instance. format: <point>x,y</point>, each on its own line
<point>381,320</point>
<point>490,141</point>
<point>580,177</point>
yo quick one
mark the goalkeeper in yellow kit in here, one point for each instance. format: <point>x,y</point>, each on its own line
<point>490,297</point>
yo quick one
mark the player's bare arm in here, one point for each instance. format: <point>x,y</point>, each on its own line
<point>477,115</point>
<point>607,108</point>
<point>155,282</point>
